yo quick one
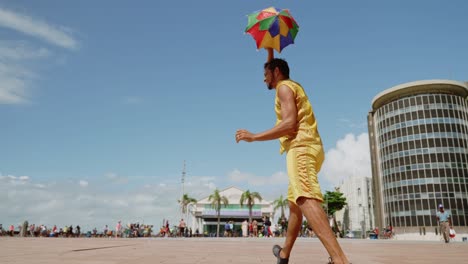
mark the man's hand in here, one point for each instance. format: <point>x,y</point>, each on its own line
<point>245,135</point>
<point>270,55</point>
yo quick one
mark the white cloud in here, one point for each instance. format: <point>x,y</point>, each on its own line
<point>14,80</point>
<point>62,203</point>
<point>200,186</point>
<point>114,178</point>
<point>83,183</point>
<point>23,178</point>
<point>210,185</point>
<point>17,56</point>
<point>350,157</point>
<point>20,50</point>
<point>14,180</point>
<point>37,28</point>
<point>206,178</point>
<point>143,198</point>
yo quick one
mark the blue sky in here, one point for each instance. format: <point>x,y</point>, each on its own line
<point>102,101</point>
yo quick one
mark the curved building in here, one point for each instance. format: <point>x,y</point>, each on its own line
<point>418,134</point>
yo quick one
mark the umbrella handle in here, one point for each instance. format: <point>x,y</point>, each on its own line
<point>271,54</point>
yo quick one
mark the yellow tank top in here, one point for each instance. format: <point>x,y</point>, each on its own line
<point>307,132</point>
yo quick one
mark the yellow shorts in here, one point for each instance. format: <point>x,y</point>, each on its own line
<point>303,165</point>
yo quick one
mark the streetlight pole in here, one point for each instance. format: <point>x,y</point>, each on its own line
<point>358,218</point>
<point>364,221</point>
<point>183,190</point>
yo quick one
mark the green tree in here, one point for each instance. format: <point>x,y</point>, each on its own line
<point>280,203</point>
<point>186,200</point>
<point>333,202</point>
<point>216,201</point>
<point>248,198</point>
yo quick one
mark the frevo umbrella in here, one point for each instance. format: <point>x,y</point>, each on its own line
<point>272,28</point>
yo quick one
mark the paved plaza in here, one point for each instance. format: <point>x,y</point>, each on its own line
<point>222,250</point>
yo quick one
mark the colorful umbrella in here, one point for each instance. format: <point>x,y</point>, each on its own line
<point>272,28</point>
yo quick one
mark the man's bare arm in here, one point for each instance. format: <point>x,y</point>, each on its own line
<point>287,126</point>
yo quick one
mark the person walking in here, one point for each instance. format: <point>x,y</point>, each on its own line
<point>78,231</point>
<point>118,229</point>
<point>250,229</point>
<point>444,222</point>
<point>182,226</point>
<point>245,227</point>
<point>105,231</point>
<point>255,228</point>
<point>267,224</point>
<point>12,230</point>
<point>296,129</point>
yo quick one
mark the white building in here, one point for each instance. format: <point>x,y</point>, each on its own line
<point>358,214</point>
<point>204,218</point>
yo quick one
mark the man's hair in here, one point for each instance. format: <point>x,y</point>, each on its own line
<point>280,63</point>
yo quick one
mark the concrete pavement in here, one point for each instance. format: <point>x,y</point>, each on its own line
<point>219,250</point>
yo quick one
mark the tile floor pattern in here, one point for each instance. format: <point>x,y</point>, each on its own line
<point>222,250</point>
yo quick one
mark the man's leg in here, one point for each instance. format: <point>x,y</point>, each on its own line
<point>318,220</point>
<point>442,230</point>
<point>294,226</point>
<point>446,231</point>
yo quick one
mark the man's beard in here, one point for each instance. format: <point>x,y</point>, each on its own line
<point>270,86</point>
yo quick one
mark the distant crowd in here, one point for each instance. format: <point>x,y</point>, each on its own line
<point>33,230</point>
<point>254,228</point>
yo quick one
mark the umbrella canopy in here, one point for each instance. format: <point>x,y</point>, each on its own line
<point>272,28</point>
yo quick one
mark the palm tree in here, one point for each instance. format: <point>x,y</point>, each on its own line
<point>249,199</point>
<point>216,200</point>
<point>335,201</point>
<point>186,200</point>
<point>280,203</point>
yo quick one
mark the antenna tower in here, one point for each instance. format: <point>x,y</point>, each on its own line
<point>183,190</point>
